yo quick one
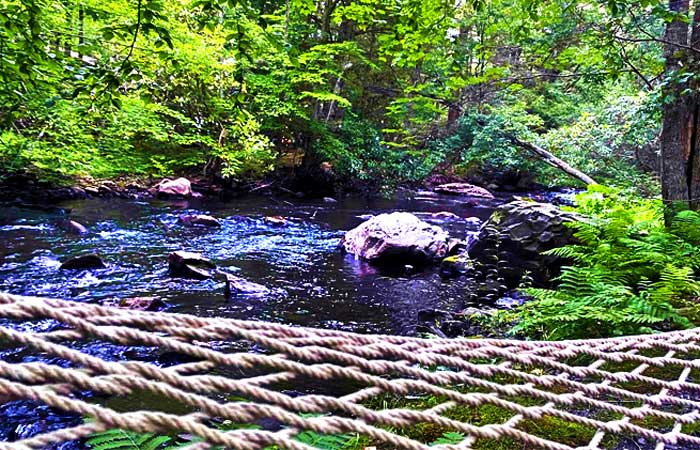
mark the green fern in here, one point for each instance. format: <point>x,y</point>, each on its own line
<point>449,438</point>
<point>118,439</point>
<point>326,441</point>
<point>629,273</point>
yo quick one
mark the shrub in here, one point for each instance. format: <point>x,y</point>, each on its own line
<point>71,138</point>
<point>602,141</point>
<point>357,151</point>
<point>629,274</point>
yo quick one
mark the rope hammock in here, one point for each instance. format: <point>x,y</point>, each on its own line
<point>335,382</point>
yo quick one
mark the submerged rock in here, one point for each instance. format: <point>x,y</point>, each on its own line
<point>398,236</point>
<point>191,220</point>
<point>190,265</point>
<point>463,189</point>
<point>516,235</point>
<point>455,266</point>
<point>75,227</point>
<point>277,221</point>
<point>240,286</point>
<point>142,303</point>
<point>83,262</point>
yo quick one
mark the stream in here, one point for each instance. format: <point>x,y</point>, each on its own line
<point>313,283</point>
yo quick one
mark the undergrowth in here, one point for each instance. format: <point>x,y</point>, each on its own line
<point>118,439</point>
<point>628,274</point>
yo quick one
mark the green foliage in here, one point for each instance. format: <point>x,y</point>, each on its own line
<point>357,151</point>
<point>479,140</point>
<point>449,438</point>
<point>601,135</point>
<point>606,139</point>
<point>227,87</point>
<point>117,439</point>
<point>327,441</point>
<point>629,274</point>
<point>139,138</point>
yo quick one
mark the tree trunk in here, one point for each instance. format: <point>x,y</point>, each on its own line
<point>552,160</point>
<point>680,174</point>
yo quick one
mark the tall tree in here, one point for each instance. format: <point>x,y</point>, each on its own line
<point>680,170</point>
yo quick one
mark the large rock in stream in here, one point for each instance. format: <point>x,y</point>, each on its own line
<point>397,237</point>
<point>190,265</point>
<point>180,187</point>
<point>515,236</point>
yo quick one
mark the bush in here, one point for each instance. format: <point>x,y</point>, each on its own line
<point>357,151</point>
<point>72,138</point>
<point>629,274</point>
<point>602,141</point>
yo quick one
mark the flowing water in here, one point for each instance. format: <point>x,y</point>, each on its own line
<point>313,283</point>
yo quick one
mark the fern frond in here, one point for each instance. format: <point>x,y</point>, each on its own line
<point>325,441</point>
<point>118,439</point>
<point>449,438</point>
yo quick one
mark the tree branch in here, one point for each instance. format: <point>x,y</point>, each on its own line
<point>136,35</point>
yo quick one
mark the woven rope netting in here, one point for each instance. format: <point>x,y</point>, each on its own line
<point>331,382</point>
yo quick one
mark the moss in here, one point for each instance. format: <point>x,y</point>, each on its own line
<point>548,427</point>
<point>504,443</point>
<point>452,259</point>
<point>559,430</point>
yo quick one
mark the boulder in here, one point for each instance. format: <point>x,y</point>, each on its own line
<point>179,187</point>
<point>192,220</point>
<point>329,200</point>
<point>190,265</point>
<point>515,236</point>
<point>83,262</point>
<point>463,189</point>
<point>142,303</point>
<point>398,236</point>
<point>238,286</point>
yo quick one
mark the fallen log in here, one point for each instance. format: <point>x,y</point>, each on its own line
<point>552,160</point>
